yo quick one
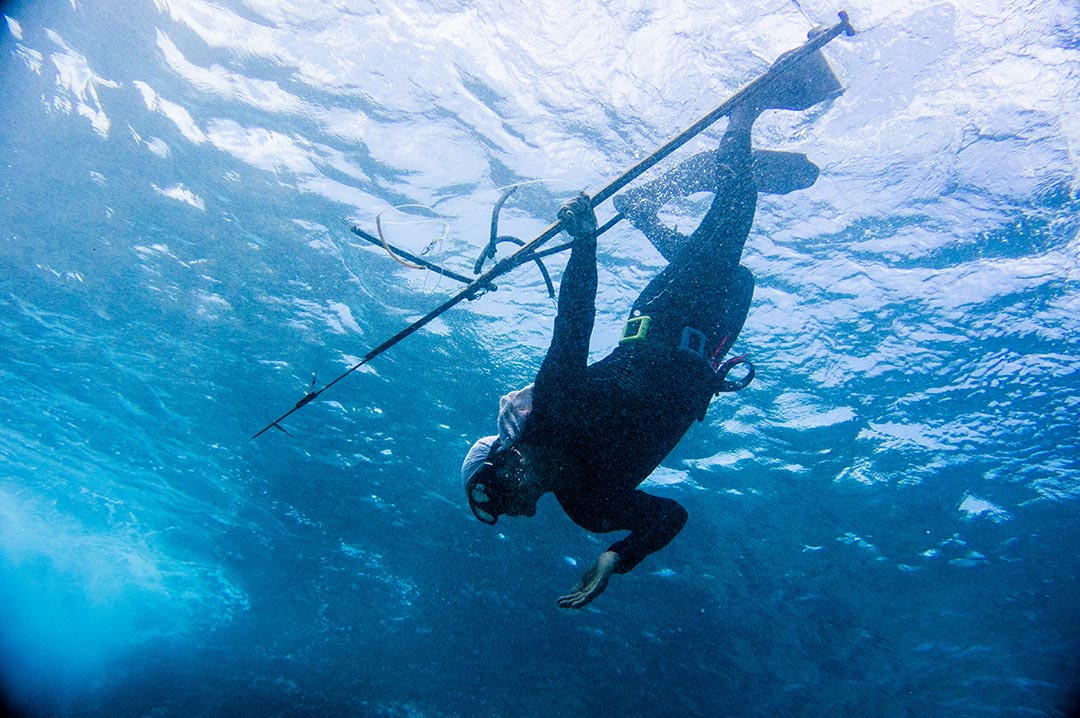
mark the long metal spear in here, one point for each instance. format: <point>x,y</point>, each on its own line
<point>527,252</point>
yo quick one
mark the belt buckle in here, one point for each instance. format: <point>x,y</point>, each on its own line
<point>693,341</point>
<point>636,329</point>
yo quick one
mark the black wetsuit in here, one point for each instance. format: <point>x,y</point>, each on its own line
<point>616,420</point>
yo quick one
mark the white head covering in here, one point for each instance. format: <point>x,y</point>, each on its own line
<point>514,410</point>
<point>476,457</point>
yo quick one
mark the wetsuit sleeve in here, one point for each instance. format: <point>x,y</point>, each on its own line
<point>652,521</point>
<point>568,355</point>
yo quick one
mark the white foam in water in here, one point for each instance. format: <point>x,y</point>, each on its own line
<point>181,194</point>
<point>973,507</point>
<point>665,476</point>
<point>14,27</point>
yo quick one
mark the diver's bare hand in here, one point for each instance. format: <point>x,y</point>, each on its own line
<point>593,583</point>
<point>577,216</point>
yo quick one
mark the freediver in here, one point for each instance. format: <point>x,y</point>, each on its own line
<point>591,434</point>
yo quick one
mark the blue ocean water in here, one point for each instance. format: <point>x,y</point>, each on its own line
<point>882,524</point>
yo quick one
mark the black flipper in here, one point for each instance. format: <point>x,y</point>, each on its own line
<point>783,172</point>
<point>800,85</point>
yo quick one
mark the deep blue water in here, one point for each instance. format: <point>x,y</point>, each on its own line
<point>883,524</point>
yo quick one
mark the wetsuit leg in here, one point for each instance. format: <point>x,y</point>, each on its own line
<point>717,243</point>
<point>736,299</point>
<point>641,204</point>
<point>703,266</point>
<point>727,172</point>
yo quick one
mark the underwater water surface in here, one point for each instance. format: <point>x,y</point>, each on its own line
<point>884,523</point>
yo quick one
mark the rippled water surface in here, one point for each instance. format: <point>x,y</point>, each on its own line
<point>883,524</point>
